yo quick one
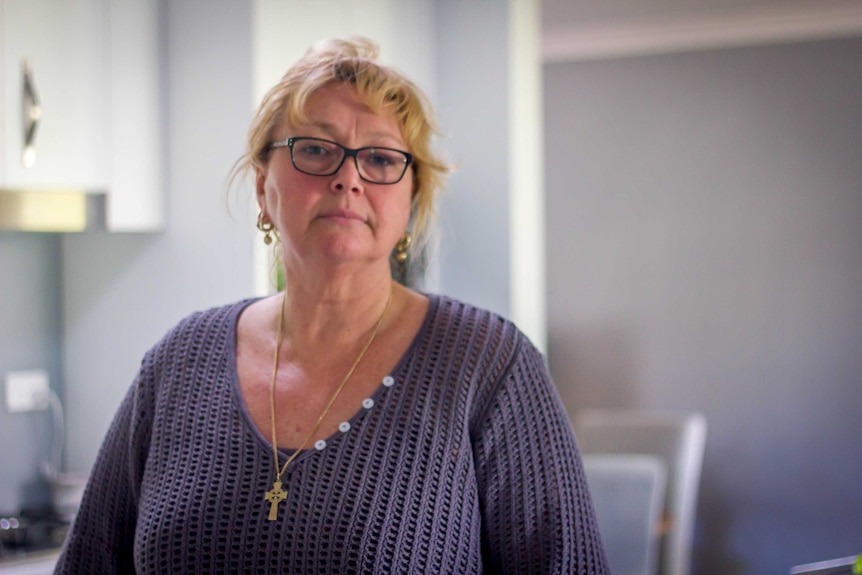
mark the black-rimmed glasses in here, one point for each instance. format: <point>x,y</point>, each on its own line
<point>317,157</point>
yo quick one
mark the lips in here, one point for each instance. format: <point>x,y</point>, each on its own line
<point>339,215</point>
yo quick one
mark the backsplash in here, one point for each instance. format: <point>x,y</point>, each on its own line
<point>30,338</point>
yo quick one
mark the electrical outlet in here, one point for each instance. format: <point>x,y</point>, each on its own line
<point>27,390</point>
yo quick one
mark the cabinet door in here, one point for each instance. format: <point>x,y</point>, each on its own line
<point>63,44</point>
<point>135,173</point>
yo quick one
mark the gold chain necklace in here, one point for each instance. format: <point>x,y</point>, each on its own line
<point>277,494</point>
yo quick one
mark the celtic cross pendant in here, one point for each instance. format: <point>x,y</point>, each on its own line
<point>275,496</point>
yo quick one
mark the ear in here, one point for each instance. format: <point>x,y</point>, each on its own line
<point>260,185</point>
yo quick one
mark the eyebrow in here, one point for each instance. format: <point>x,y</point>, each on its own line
<point>332,129</point>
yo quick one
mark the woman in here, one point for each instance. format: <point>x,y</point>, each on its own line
<point>414,433</point>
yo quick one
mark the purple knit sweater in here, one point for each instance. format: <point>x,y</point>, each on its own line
<point>462,461</point>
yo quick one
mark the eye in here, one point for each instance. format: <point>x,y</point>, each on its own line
<point>383,158</point>
<point>313,150</point>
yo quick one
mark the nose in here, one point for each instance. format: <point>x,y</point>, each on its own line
<point>347,177</point>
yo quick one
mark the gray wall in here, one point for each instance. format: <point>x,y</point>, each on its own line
<point>122,292</point>
<point>30,338</point>
<point>472,89</point>
<point>704,242</point>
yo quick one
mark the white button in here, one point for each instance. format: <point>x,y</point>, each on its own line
<point>368,403</point>
<point>388,381</point>
<point>344,427</point>
<point>320,445</point>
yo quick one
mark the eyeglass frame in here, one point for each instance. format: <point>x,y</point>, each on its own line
<point>348,153</point>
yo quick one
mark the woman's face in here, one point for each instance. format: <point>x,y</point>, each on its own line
<point>339,218</point>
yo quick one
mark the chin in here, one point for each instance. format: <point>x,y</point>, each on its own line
<point>341,248</point>
<point>345,252</point>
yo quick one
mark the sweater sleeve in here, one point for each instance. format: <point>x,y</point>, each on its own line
<point>537,514</point>
<point>101,538</point>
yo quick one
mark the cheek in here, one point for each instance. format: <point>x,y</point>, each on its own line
<point>281,187</point>
<point>398,207</point>
<point>271,198</point>
<point>411,195</point>
<point>402,224</point>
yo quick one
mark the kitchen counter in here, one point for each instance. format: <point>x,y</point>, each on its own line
<point>30,542</point>
<point>30,563</point>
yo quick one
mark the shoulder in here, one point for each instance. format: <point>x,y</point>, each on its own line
<point>479,325</point>
<point>449,312</point>
<point>482,337</point>
<point>211,319</point>
<point>201,333</point>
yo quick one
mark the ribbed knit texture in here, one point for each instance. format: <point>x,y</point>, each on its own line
<point>465,464</point>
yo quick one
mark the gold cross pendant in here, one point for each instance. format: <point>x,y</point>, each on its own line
<point>275,496</point>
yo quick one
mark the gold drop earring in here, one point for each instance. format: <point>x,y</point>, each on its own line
<point>266,228</point>
<point>401,254</point>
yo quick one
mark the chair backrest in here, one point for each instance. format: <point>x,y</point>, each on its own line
<point>628,495</point>
<point>679,439</point>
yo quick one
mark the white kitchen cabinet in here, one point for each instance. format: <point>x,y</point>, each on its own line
<point>94,67</point>
<point>61,40</point>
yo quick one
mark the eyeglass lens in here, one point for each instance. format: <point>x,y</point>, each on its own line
<point>323,158</point>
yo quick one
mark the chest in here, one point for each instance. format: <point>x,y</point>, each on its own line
<point>307,403</point>
<point>386,492</point>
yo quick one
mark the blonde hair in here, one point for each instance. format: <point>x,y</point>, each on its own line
<point>353,60</point>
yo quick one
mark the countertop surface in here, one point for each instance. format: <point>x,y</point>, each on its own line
<point>30,563</point>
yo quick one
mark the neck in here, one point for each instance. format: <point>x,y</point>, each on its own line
<point>335,310</point>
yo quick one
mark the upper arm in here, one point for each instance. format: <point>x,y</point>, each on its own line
<point>536,511</point>
<point>101,538</point>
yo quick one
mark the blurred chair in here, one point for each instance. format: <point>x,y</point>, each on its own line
<point>628,495</point>
<point>678,439</point>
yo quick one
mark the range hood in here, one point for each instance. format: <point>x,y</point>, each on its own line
<point>50,210</point>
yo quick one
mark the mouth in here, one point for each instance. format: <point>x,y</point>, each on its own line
<point>341,216</point>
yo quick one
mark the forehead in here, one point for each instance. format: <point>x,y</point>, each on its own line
<point>339,110</point>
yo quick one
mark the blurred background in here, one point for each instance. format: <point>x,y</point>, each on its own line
<point>666,197</point>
